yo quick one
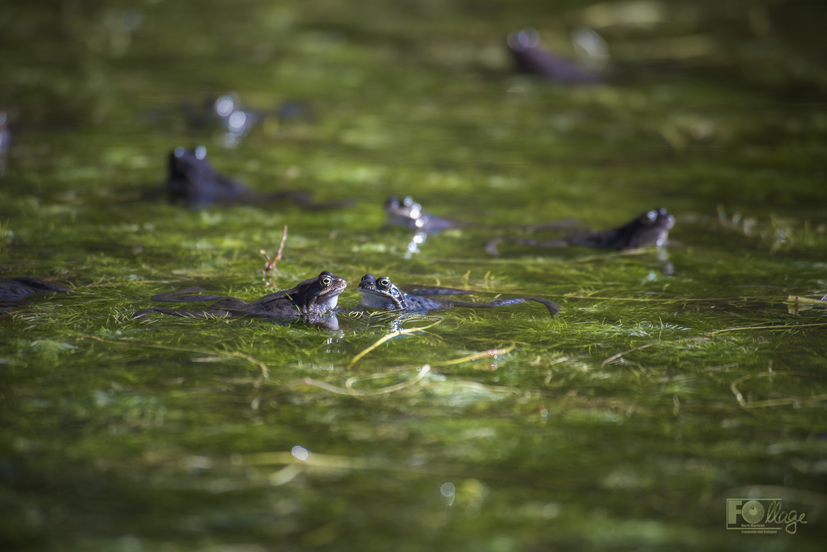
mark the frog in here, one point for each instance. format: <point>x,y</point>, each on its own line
<point>237,120</point>
<point>15,291</point>
<point>382,294</point>
<point>409,214</point>
<point>309,301</point>
<point>649,228</point>
<point>5,142</point>
<point>530,57</point>
<point>194,181</point>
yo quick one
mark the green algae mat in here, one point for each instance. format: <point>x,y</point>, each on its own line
<point>676,403</point>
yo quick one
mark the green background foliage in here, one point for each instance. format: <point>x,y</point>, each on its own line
<point>117,434</point>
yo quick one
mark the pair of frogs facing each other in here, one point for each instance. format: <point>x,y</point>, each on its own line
<point>313,300</point>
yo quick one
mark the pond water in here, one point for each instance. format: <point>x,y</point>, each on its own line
<point>671,381</point>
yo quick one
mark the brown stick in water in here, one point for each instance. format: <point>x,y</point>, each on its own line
<point>271,263</point>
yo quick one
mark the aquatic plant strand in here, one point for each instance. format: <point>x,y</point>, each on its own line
<point>265,371</point>
<point>359,393</point>
<point>388,338</point>
<point>710,334</point>
<point>746,405</point>
<point>490,353</point>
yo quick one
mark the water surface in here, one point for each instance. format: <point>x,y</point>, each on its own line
<point>624,423</point>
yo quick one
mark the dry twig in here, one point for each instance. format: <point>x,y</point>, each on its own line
<point>271,263</point>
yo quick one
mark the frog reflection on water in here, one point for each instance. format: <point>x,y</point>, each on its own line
<point>649,228</point>
<point>381,293</point>
<point>308,301</point>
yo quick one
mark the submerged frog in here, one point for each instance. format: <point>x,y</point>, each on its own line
<point>309,301</point>
<point>15,291</point>
<point>193,180</point>
<point>530,57</point>
<point>238,120</point>
<point>409,214</point>
<point>381,293</point>
<point>650,228</point>
<point>5,142</point>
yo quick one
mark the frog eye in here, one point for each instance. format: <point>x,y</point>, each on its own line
<point>652,215</point>
<point>325,281</point>
<point>383,282</point>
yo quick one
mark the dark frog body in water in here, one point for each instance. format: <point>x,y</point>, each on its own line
<point>650,228</point>
<point>309,301</point>
<point>5,142</point>
<point>530,57</point>
<point>381,293</point>
<point>193,180</point>
<point>15,291</point>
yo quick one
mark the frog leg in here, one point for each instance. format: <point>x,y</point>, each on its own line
<point>229,303</point>
<point>40,285</point>
<point>439,291</point>
<point>173,296</point>
<point>553,308</point>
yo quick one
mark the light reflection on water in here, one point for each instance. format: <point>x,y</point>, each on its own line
<point>300,452</point>
<point>448,492</point>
